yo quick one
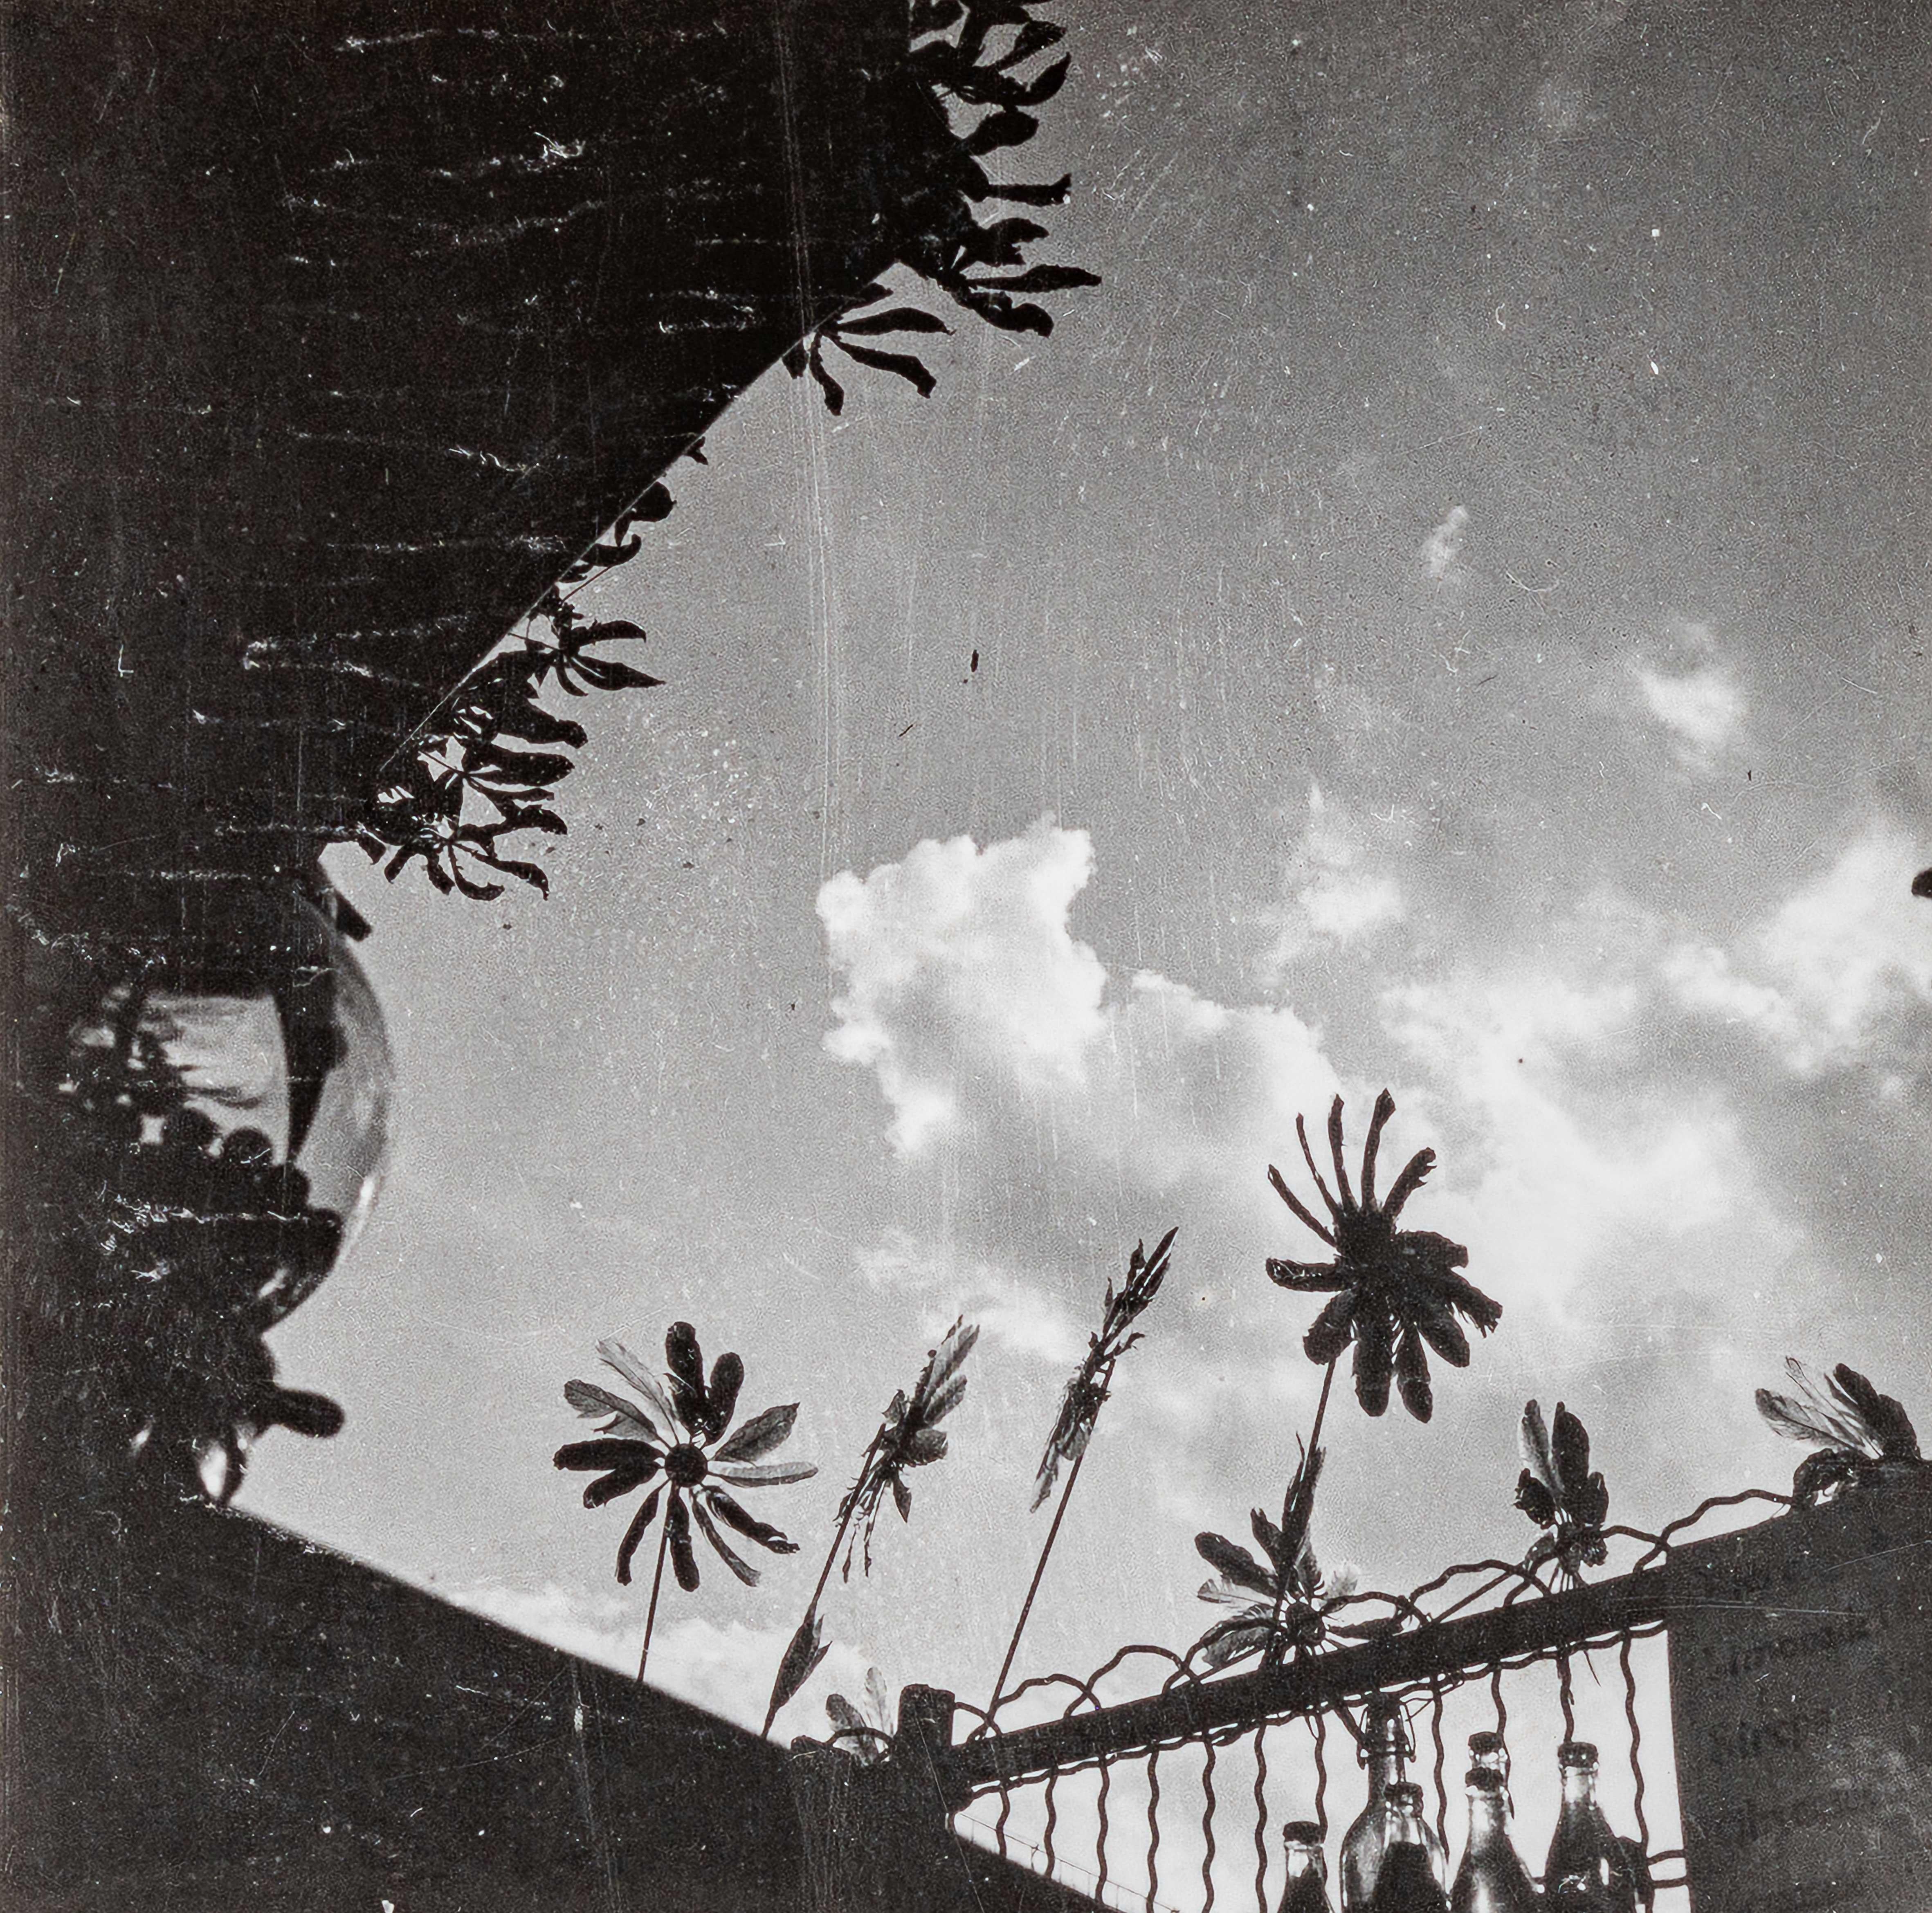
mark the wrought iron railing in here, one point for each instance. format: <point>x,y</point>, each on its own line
<point>1156,1785</point>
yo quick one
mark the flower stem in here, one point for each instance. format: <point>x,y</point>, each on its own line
<point>831,1555</point>
<point>1321,1406</point>
<point>1271,1651</point>
<point>1040,1570</point>
<point>657,1579</point>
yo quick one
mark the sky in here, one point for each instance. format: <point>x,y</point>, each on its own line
<point>1446,614</point>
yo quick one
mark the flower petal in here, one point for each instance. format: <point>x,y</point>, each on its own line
<point>762,1475</point>
<point>749,1525</point>
<point>1335,1150</point>
<point>1570,1448</point>
<point>686,1362</point>
<point>1533,1439</point>
<point>806,1648</point>
<point>619,1481</point>
<point>640,1521</point>
<point>683,1560</point>
<point>1410,1179</point>
<point>1234,1562</point>
<point>1375,1357</point>
<point>1535,1500</point>
<point>727,1376</point>
<point>945,1361</point>
<point>616,1356</point>
<point>1302,1213</point>
<point>1444,1333</point>
<point>587,1399</point>
<point>1310,1278</point>
<point>759,1436</point>
<point>743,1569</point>
<point>609,1451</point>
<point>1411,1375</point>
<point>1384,1109</point>
<point>1332,1330</point>
<point>1308,1156</point>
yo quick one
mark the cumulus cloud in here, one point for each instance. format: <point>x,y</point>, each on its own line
<point>1693,694</point>
<point>1575,1203</point>
<point>957,959</point>
<point>964,989</point>
<point>1007,1306</point>
<point>1620,1186</point>
<point>1846,953</point>
<point>1336,894</point>
<point>1444,545</point>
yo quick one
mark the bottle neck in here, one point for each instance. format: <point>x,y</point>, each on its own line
<point>1384,1769</point>
<point>1579,1789</point>
<point>1489,1816</point>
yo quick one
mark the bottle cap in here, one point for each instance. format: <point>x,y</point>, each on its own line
<point>1576,1754</point>
<point>1384,1724</point>
<point>1484,1779</point>
<point>1488,1741</point>
<point>1404,1794</point>
<point>1303,1832</point>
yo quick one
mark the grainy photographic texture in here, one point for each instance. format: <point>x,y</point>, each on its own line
<point>835,826</point>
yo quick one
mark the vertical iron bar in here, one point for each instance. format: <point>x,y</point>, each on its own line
<point>1052,1820</point>
<point>1636,1739</point>
<point>1441,1761</point>
<point>1207,1807</point>
<point>1154,1826</point>
<point>1319,1727</point>
<point>1100,1838</point>
<point>1564,1694</point>
<point>1261,1818</point>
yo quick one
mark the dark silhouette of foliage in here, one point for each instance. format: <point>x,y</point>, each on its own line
<point>1087,1390</point>
<point>490,767</point>
<point>908,1437</point>
<point>974,56</point>
<point>195,1244</point>
<point>865,1731</point>
<point>1283,1599</point>
<point>1856,1428</point>
<point>1394,1289</point>
<point>1557,1491</point>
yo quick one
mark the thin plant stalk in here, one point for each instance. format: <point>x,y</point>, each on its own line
<point>825,1573</point>
<point>1040,1570</point>
<point>657,1579</point>
<point>1314,1440</point>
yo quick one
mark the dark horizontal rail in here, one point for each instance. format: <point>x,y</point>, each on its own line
<point>1191,1709</point>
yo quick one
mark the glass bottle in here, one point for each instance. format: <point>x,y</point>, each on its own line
<point>1489,1754</point>
<point>1589,1871</point>
<point>1491,1878</point>
<point>1410,1877</point>
<point>1385,1746</point>
<point>1307,1888</point>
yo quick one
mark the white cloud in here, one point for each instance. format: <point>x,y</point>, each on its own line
<point>1839,957</point>
<point>1007,1307</point>
<point>1693,694</point>
<point>726,1670</point>
<point>1444,545</point>
<point>958,958</point>
<point>1565,1198</point>
<point>1336,896</point>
